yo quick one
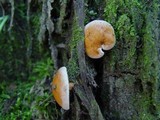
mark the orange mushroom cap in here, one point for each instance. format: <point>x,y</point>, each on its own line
<point>99,35</point>
<point>60,88</point>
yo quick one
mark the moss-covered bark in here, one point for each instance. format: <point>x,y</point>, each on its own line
<point>131,68</point>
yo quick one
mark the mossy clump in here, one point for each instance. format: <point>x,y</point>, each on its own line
<point>119,15</point>
<point>77,36</point>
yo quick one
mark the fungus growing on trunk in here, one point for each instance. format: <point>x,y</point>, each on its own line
<point>99,35</point>
<point>60,88</point>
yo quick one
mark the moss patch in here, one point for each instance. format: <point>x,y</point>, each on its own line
<point>73,69</point>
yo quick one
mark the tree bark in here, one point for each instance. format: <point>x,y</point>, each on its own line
<point>127,76</point>
<point>83,94</point>
<point>130,71</point>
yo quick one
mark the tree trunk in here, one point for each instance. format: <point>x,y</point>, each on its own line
<point>127,76</point>
<point>124,83</point>
<point>130,71</point>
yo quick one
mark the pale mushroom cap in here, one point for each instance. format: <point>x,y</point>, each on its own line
<point>60,89</point>
<point>99,35</point>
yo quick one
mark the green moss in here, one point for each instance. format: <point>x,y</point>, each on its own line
<point>126,33</point>
<point>110,12</point>
<point>77,36</point>
<point>118,14</point>
<point>149,66</point>
<point>144,104</point>
<point>148,58</point>
<point>73,69</point>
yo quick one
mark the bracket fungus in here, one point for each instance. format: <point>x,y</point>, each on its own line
<point>99,35</point>
<point>60,88</point>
